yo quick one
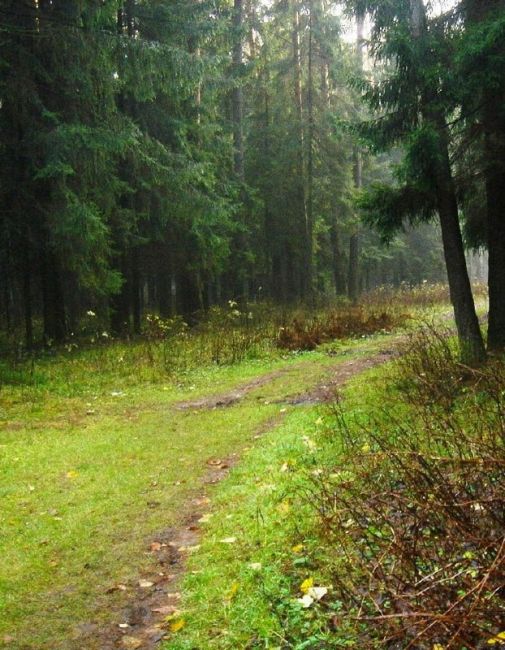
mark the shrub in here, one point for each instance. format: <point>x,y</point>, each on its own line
<point>307,334</point>
<point>415,508</point>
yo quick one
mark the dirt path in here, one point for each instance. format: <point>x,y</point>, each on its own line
<point>141,622</point>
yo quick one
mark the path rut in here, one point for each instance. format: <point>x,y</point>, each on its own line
<point>141,623</point>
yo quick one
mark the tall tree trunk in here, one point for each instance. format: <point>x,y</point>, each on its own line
<point>493,121</point>
<point>309,221</point>
<point>237,94</point>
<point>53,309</point>
<point>136,301</point>
<point>470,337</point>
<point>467,323</point>
<point>353,273</point>
<point>338,266</point>
<point>299,189</point>
<point>27,298</point>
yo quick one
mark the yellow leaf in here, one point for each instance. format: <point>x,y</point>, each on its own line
<point>307,584</point>
<point>72,474</point>
<point>298,548</point>
<point>499,638</point>
<point>177,625</point>
<point>284,507</point>
<point>233,591</point>
<point>365,449</point>
<point>438,646</point>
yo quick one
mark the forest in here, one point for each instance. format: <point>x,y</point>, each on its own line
<point>252,324</point>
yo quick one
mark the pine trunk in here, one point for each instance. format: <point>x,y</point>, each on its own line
<point>353,272</point>
<point>467,324</point>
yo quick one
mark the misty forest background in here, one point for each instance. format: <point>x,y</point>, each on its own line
<point>165,157</point>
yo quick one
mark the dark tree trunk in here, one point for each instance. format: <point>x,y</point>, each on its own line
<point>53,309</point>
<point>495,188</point>
<point>136,289</point>
<point>338,266</point>
<point>237,95</point>
<point>470,337</point>
<point>309,223</point>
<point>353,282</point>
<point>353,273</point>
<point>120,303</point>
<point>493,118</point>
<point>467,323</point>
<point>27,300</point>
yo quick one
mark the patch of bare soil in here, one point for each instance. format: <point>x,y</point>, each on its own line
<point>341,374</point>
<point>142,622</point>
<point>232,397</point>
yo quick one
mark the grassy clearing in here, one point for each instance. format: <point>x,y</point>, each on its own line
<point>87,477</point>
<point>94,461</point>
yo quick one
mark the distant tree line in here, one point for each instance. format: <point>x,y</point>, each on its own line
<point>168,156</point>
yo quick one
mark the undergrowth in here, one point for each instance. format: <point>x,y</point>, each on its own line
<point>413,512</point>
<point>374,522</point>
<point>170,348</point>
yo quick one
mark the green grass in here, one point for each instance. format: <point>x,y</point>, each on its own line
<point>87,477</point>
<point>95,460</point>
<point>246,594</point>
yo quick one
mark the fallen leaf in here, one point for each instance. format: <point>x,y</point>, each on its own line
<point>72,474</point>
<point>306,601</point>
<point>307,584</point>
<point>155,546</point>
<point>298,548</point>
<point>204,519</point>
<point>232,592</point>
<point>284,507</point>
<point>498,638</point>
<point>188,549</point>
<point>317,592</point>
<point>177,625</point>
<point>145,584</point>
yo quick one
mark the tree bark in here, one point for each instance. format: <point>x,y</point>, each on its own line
<point>309,221</point>
<point>237,95</point>
<point>354,247</point>
<point>53,309</point>
<point>470,337</point>
<point>493,122</point>
<point>299,189</point>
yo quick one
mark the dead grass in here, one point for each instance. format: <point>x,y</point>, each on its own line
<point>308,333</point>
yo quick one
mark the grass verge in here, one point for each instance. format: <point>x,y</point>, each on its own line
<point>378,523</point>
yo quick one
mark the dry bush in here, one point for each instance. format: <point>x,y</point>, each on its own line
<point>307,334</point>
<point>421,295</point>
<point>416,509</point>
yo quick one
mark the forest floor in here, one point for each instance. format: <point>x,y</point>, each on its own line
<point>108,494</point>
